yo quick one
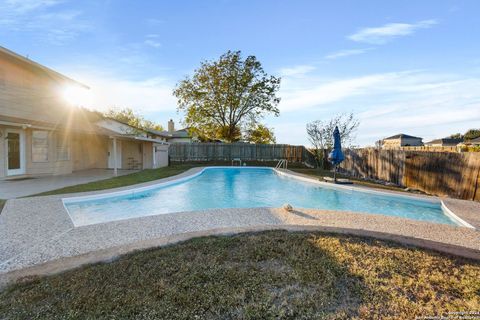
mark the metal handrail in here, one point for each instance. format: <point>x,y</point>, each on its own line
<point>283,163</point>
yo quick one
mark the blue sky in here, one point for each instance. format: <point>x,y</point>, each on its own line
<point>400,66</point>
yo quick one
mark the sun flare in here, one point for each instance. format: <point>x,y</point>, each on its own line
<point>77,96</point>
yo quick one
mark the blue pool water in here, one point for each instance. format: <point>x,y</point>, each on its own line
<point>247,188</point>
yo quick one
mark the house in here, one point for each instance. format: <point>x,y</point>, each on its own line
<point>42,134</point>
<point>401,140</point>
<point>444,142</point>
<point>469,143</point>
<point>172,135</point>
<point>474,142</point>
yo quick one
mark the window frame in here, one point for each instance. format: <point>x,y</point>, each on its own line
<point>45,146</point>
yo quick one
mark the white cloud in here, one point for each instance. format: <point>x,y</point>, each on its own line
<point>305,95</point>
<point>387,32</point>
<point>420,103</point>
<point>43,19</point>
<point>23,6</point>
<point>296,71</point>
<point>152,40</point>
<point>346,53</point>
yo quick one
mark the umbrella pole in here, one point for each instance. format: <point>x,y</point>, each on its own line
<point>335,174</point>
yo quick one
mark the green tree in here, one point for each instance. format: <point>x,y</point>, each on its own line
<point>128,116</point>
<point>223,96</point>
<point>259,133</point>
<point>456,136</point>
<point>471,134</point>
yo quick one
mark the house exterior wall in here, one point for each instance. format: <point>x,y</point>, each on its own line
<point>132,157</point>
<point>411,142</point>
<point>36,96</point>
<point>437,144</point>
<point>401,142</point>
<point>3,155</point>
<point>51,166</point>
<point>29,94</point>
<point>89,152</point>
<point>391,144</point>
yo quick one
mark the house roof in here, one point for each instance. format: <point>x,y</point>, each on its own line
<point>182,133</point>
<point>74,127</point>
<point>446,141</point>
<point>401,135</point>
<point>37,66</point>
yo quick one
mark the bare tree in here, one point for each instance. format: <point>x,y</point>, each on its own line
<point>320,134</point>
<point>316,137</point>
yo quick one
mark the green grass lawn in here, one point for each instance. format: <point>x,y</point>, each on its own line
<point>126,180</point>
<point>268,275</point>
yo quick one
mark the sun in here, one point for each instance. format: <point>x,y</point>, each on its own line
<point>77,96</point>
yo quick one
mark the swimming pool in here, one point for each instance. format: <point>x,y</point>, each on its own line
<point>248,187</point>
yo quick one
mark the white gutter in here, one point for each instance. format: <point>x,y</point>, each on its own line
<point>16,124</point>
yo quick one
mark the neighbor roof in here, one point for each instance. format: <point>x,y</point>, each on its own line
<point>38,66</point>
<point>182,133</point>
<point>401,135</point>
<point>447,141</point>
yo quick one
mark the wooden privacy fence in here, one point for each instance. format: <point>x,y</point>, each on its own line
<point>431,148</point>
<point>440,173</point>
<point>244,151</point>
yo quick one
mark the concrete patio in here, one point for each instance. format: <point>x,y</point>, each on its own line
<point>16,188</point>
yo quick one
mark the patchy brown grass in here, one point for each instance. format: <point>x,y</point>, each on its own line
<point>2,203</point>
<point>268,275</point>
<point>319,173</point>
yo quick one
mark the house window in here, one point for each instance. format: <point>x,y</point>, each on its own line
<point>63,147</point>
<point>39,146</point>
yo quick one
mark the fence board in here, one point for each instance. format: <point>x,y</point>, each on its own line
<point>244,151</point>
<point>441,173</point>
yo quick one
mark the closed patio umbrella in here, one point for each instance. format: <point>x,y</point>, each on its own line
<point>336,155</point>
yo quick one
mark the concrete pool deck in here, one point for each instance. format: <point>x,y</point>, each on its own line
<point>37,236</point>
<point>16,188</point>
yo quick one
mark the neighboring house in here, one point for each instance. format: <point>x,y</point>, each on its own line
<point>445,142</point>
<point>172,135</point>
<point>42,134</point>
<point>401,140</point>
<point>473,142</point>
